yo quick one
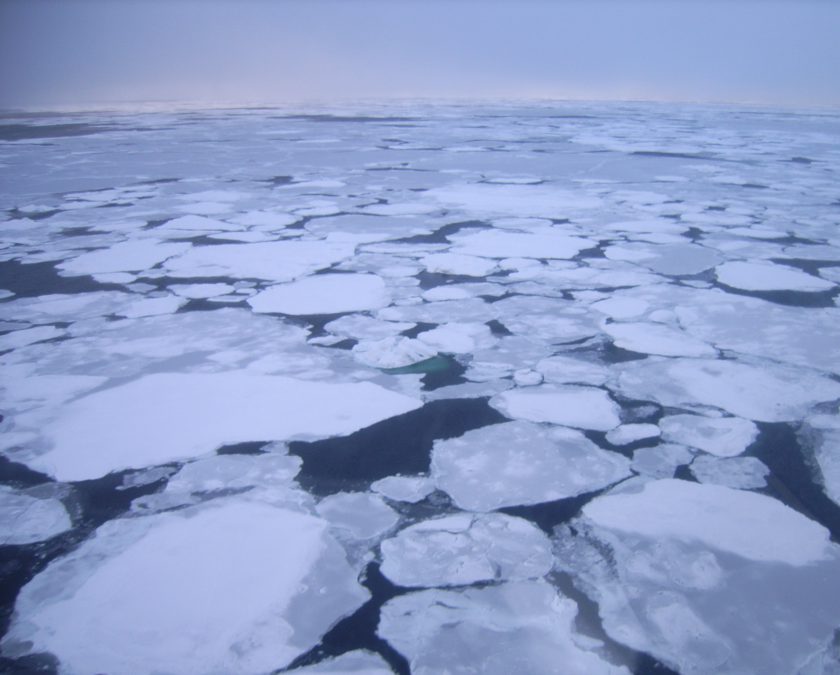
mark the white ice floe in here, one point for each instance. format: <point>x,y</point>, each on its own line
<point>654,338</point>
<point>517,627</point>
<point>465,549</point>
<point>324,294</point>
<point>201,291</point>
<point>236,587</point>
<point>746,524</point>
<point>457,338</point>
<point>820,437</point>
<point>359,515</point>
<point>26,516</point>
<point>522,463</point>
<point>631,433</point>
<point>504,244</point>
<point>745,473</point>
<point>661,461</point>
<point>349,663</point>
<point>573,406</point>
<point>751,276</point>
<point>621,308</point>
<point>568,370</point>
<point>361,327</point>
<point>721,436</point>
<point>392,352</point>
<point>764,393</point>
<point>151,306</point>
<point>28,336</point>
<point>273,261</point>
<point>410,489</point>
<point>170,416</point>
<point>545,201</point>
<point>128,256</point>
<point>198,224</point>
<point>708,579</point>
<point>453,263</point>
<point>670,259</point>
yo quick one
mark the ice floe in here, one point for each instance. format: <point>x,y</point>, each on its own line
<point>574,406</point>
<point>517,627</point>
<point>764,393</point>
<point>505,244</point>
<point>522,463</point>
<point>235,587</point>
<point>704,577</point>
<point>27,516</point>
<point>129,256</point>
<point>324,294</point>
<point>170,416</point>
<point>750,276</point>
<point>392,352</point>
<point>820,434</point>
<point>272,261</point>
<point>349,663</point>
<point>631,433</point>
<point>721,436</point>
<point>652,338</point>
<point>359,515</point>
<point>746,473</point>
<point>465,549</point>
<point>410,489</point>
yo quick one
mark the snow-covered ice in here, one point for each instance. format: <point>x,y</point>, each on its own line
<point>465,549</point>
<point>517,627</point>
<point>573,406</point>
<point>26,517</point>
<point>170,416</point>
<point>721,436</point>
<point>324,294</point>
<point>768,277</point>
<point>522,463</point>
<point>747,473</point>
<point>237,587</point>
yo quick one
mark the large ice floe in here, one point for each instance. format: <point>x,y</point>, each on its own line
<point>236,587</point>
<point>707,578</point>
<point>499,388</point>
<point>166,417</point>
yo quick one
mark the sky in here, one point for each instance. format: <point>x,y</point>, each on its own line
<point>56,53</point>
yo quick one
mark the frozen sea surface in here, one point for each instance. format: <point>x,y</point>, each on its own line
<point>429,388</point>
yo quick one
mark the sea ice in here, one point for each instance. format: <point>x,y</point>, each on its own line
<point>323,294</point>
<point>410,489</point>
<point>654,338</point>
<point>522,463</point>
<point>630,433</point>
<point>661,461</point>
<point>569,370</point>
<point>453,263</point>
<point>28,336</point>
<point>201,291</point>
<point>392,352</point>
<point>745,473</point>
<point>128,256</point>
<point>721,436</point>
<point>573,406</point>
<point>746,524</point>
<point>233,587</point>
<point>457,338</point>
<point>349,663</point>
<point>517,627</point>
<point>27,517</point>
<point>465,549</point>
<point>706,578</point>
<point>272,261</point>
<point>360,515</point>
<point>151,306</point>
<point>514,200</point>
<point>764,393</point>
<point>164,417</point>
<point>505,244</point>
<point>820,436</point>
<point>751,276</point>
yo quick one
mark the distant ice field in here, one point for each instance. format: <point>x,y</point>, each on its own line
<point>420,389</point>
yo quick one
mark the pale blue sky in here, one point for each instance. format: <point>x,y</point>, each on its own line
<point>56,52</point>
